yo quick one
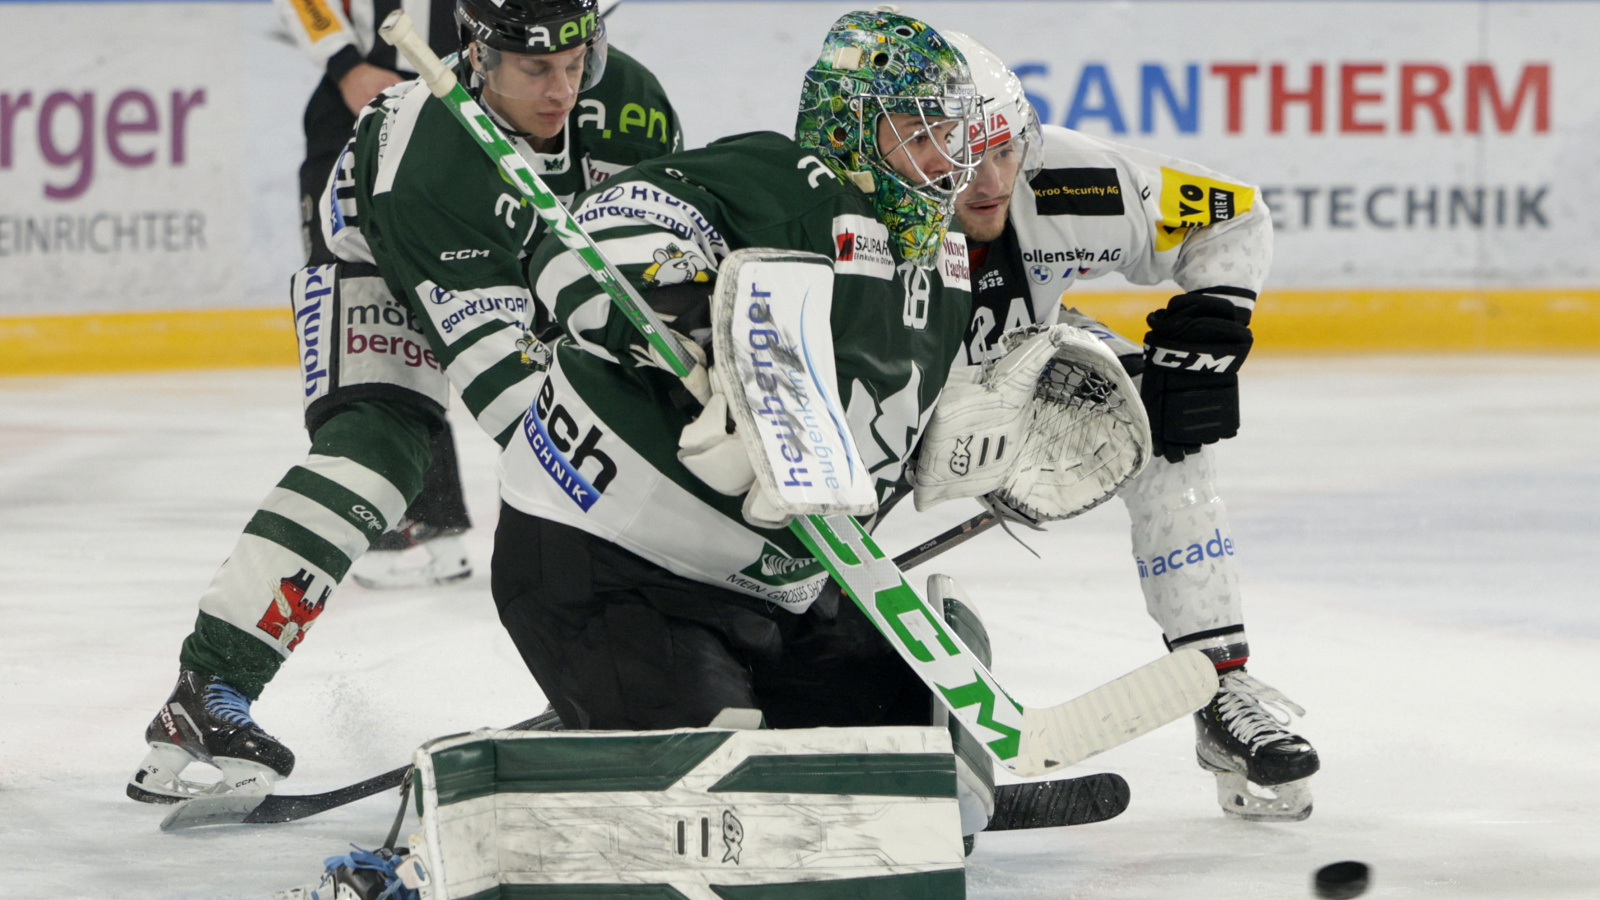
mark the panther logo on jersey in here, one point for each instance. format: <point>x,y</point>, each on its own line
<point>291,614</point>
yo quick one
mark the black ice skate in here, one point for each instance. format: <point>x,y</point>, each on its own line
<point>1262,769</point>
<point>207,720</point>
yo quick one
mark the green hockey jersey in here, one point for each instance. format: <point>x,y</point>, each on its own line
<point>413,194</point>
<point>598,450</point>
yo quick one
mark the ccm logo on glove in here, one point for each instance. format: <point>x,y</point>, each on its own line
<point>1193,352</point>
<point>1194,362</point>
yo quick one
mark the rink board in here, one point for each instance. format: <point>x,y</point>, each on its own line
<point>1430,167</point>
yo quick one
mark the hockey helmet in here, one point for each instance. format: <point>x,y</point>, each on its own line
<point>877,64</point>
<point>1007,114</point>
<point>537,27</point>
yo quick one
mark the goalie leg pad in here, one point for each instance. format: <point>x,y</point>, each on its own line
<point>850,812</point>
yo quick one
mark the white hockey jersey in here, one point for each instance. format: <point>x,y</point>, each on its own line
<point>1096,207</point>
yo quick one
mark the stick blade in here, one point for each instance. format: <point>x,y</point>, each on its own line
<point>1115,713</point>
<point>222,810</point>
<point>1059,803</point>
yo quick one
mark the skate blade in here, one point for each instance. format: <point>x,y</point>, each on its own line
<point>243,787</point>
<point>1241,799</point>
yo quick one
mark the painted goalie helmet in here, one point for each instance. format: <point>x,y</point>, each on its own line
<point>1007,114</point>
<point>538,27</point>
<point>874,65</point>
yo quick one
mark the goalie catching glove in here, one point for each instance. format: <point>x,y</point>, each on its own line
<point>1047,431</point>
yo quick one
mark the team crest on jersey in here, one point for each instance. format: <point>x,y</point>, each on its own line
<point>861,247</point>
<point>292,612</point>
<point>674,265</point>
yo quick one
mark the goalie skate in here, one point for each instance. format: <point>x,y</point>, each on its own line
<point>207,720</point>
<point>1263,770</point>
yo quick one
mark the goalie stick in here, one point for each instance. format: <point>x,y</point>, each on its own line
<point>1044,804</point>
<point>1027,741</point>
<point>1057,803</point>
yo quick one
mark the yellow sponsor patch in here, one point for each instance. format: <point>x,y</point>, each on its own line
<point>317,17</point>
<point>1193,201</point>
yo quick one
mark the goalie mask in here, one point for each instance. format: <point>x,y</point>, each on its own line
<point>1007,114</point>
<point>882,67</point>
<point>537,28</point>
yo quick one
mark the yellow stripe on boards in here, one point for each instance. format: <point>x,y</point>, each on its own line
<point>1288,320</point>
<point>146,341</point>
<point>1357,320</point>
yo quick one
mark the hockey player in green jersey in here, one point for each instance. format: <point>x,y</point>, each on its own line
<point>640,576</point>
<point>430,290</point>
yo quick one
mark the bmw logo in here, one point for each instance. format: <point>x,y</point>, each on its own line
<point>1041,273</point>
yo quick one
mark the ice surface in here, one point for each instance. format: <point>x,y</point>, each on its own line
<point>1417,541</point>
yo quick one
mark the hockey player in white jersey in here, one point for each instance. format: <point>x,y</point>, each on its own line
<point>1049,206</point>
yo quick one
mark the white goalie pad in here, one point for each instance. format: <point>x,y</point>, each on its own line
<point>1049,430</point>
<point>774,348</point>
<point>703,813</point>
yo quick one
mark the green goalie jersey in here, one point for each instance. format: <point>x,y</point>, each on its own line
<point>414,195</point>
<point>598,450</point>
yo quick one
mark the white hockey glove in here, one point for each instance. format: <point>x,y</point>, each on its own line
<point>972,441</point>
<point>711,448</point>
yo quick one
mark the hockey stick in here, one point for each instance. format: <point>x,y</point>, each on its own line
<point>947,540</point>
<point>1025,741</point>
<point>269,809</point>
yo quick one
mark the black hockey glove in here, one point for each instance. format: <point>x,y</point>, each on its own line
<point>1192,356</point>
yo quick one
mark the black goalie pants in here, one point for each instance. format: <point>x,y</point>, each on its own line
<point>617,642</point>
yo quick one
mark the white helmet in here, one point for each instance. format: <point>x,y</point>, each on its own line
<point>1008,116</point>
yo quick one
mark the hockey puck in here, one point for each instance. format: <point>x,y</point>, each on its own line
<point>1341,880</point>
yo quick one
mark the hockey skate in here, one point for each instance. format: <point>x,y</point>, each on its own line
<point>207,720</point>
<point>415,555</point>
<point>1263,770</point>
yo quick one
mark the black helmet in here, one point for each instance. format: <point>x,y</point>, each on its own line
<point>537,26</point>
